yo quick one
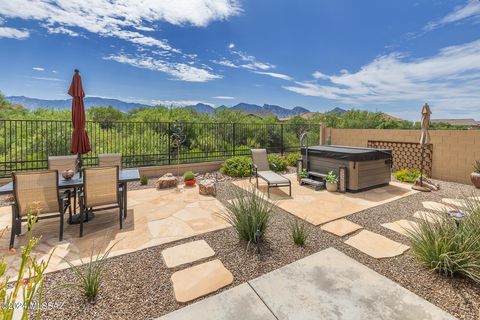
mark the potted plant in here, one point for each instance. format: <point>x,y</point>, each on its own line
<point>475,175</point>
<point>302,174</point>
<point>189,178</point>
<point>331,182</point>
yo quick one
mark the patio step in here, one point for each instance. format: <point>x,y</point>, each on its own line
<point>317,184</point>
<point>317,174</point>
<point>187,253</point>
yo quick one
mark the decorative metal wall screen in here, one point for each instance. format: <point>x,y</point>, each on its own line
<point>407,155</point>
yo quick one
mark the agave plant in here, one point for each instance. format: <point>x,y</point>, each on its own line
<point>476,166</point>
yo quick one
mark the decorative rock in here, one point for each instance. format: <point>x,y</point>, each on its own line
<point>207,187</point>
<point>200,280</point>
<point>168,180</point>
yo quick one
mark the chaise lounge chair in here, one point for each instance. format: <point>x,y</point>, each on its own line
<point>261,169</point>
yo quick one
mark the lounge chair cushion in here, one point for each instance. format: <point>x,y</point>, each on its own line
<point>272,177</point>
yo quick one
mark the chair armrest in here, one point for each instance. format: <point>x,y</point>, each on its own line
<point>273,165</point>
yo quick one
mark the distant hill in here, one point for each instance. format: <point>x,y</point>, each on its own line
<point>260,111</point>
<point>337,110</point>
<point>33,103</point>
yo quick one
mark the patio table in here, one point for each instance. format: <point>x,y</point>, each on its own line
<point>124,176</point>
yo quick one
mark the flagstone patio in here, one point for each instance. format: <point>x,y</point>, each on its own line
<point>154,217</point>
<point>318,207</point>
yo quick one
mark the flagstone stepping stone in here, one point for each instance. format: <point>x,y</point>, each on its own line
<point>375,245</point>
<point>431,217</point>
<point>200,280</point>
<point>341,227</point>
<point>436,206</point>
<point>401,226</point>
<point>187,253</point>
<point>454,202</point>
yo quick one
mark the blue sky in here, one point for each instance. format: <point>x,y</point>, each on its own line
<point>390,56</point>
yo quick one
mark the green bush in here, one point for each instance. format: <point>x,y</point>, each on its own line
<point>143,180</point>
<point>292,158</point>
<point>277,162</point>
<point>249,213</point>
<point>331,177</point>
<point>449,249</point>
<point>237,166</point>
<point>299,234</point>
<point>407,175</point>
<point>187,176</point>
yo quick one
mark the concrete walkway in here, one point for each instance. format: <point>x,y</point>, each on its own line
<point>325,285</point>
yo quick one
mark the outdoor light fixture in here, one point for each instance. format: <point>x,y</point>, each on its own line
<point>342,173</point>
<point>299,165</point>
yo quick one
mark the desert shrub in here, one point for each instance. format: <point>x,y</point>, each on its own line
<point>143,180</point>
<point>476,166</point>
<point>299,233</point>
<point>28,283</point>
<point>449,249</point>
<point>249,213</point>
<point>407,175</point>
<point>237,166</point>
<point>89,276</point>
<point>277,162</point>
<point>187,176</point>
<point>292,158</point>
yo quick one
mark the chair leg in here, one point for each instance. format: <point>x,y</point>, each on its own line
<point>14,227</point>
<point>290,189</point>
<point>62,217</point>
<point>74,202</point>
<point>82,211</point>
<point>120,212</point>
<point>257,181</point>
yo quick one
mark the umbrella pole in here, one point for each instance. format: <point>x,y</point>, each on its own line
<point>421,167</point>
<point>79,164</point>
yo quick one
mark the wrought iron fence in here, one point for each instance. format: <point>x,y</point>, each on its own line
<point>26,144</point>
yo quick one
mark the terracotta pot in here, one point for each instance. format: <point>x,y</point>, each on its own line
<point>190,182</point>
<point>332,187</point>
<point>475,177</point>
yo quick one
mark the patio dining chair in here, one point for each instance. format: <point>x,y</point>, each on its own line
<point>110,160</point>
<point>38,189</point>
<point>101,191</point>
<point>61,164</point>
<point>261,169</point>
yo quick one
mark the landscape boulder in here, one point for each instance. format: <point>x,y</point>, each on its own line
<point>207,188</point>
<point>168,180</point>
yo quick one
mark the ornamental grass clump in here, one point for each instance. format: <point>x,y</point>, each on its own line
<point>89,276</point>
<point>449,247</point>
<point>249,213</point>
<point>299,233</point>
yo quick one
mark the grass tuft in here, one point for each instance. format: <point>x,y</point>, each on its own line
<point>249,213</point>
<point>445,248</point>
<point>299,233</point>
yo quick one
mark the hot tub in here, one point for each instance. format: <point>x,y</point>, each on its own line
<point>365,167</point>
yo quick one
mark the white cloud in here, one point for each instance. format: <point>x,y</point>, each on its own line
<point>449,79</point>
<point>471,10</point>
<point>250,62</point>
<point>47,79</point>
<point>60,30</point>
<point>12,33</point>
<point>226,63</point>
<point>224,97</point>
<point>54,71</point>
<point>38,69</point>
<point>275,75</point>
<point>231,46</point>
<point>114,18</point>
<point>179,71</point>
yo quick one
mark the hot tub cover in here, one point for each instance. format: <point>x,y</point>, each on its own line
<point>348,153</point>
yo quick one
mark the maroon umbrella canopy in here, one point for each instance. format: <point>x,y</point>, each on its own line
<point>80,143</point>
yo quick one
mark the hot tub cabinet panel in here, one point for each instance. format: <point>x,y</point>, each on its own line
<point>366,167</point>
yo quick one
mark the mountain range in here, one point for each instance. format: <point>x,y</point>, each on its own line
<point>265,110</point>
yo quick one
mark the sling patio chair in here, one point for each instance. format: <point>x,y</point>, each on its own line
<point>37,191</point>
<point>110,160</point>
<point>61,164</point>
<point>101,191</point>
<point>261,168</point>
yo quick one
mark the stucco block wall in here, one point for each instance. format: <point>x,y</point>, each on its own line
<point>454,151</point>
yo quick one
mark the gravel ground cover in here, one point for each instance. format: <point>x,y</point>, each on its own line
<point>137,285</point>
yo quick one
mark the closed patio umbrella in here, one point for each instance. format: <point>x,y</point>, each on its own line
<point>80,143</point>
<point>424,140</point>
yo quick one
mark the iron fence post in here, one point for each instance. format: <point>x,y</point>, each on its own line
<point>233,139</point>
<point>169,143</point>
<point>281,139</point>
